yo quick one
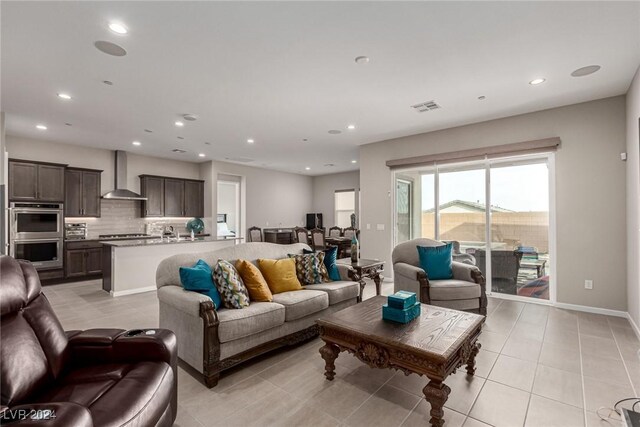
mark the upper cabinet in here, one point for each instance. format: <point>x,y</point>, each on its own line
<point>171,197</point>
<point>82,192</point>
<point>36,182</point>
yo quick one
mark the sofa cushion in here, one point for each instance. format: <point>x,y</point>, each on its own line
<point>338,291</point>
<point>280,274</point>
<point>254,281</point>
<point>229,283</point>
<point>442,290</point>
<point>310,268</point>
<point>257,317</point>
<point>302,303</point>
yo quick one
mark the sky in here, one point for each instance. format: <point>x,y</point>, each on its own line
<point>522,188</point>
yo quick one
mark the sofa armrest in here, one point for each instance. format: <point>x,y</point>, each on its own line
<point>409,271</point>
<point>182,300</point>
<point>466,272</point>
<point>344,270</point>
<point>47,415</point>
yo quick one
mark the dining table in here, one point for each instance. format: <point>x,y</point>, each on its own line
<point>343,243</point>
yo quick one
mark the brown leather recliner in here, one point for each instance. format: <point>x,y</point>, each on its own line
<point>97,377</point>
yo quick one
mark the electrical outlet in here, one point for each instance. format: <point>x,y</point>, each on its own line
<point>588,284</point>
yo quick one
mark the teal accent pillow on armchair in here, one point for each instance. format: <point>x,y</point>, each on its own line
<point>199,278</point>
<point>436,261</point>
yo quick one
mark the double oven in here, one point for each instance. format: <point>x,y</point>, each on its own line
<point>37,233</point>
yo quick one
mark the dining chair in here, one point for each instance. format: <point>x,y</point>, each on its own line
<point>350,232</point>
<point>255,234</point>
<point>317,239</point>
<point>301,235</point>
<point>335,231</point>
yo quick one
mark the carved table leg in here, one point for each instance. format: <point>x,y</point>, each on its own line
<point>376,279</point>
<point>436,393</point>
<point>471,363</point>
<point>353,275</point>
<point>329,353</point>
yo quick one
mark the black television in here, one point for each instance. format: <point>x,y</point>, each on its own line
<point>314,220</point>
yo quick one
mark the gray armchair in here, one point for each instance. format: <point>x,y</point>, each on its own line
<point>465,291</point>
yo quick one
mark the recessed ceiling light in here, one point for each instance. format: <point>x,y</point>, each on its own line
<point>148,130</point>
<point>136,143</point>
<point>354,161</point>
<point>482,97</point>
<point>179,124</point>
<point>351,127</point>
<point>118,28</point>
<point>181,137</point>
<point>335,131</point>
<point>250,141</point>
<point>41,127</point>
<point>108,82</point>
<point>64,96</point>
<point>537,81</point>
<point>201,155</point>
<point>307,168</point>
<point>585,71</point>
<point>362,60</point>
<point>190,117</point>
<point>68,124</point>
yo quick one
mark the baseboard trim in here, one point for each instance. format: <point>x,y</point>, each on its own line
<point>132,291</point>
<point>635,327</point>
<point>595,310</point>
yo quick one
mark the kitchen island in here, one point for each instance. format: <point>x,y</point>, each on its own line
<point>129,266</point>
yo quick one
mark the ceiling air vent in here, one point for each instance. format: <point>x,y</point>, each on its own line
<point>426,106</point>
<point>239,159</point>
<point>179,151</point>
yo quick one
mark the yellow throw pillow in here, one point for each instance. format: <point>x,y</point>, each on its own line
<point>254,281</point>
<point>280,274</point>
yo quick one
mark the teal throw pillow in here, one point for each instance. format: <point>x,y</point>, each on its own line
<point>330,258</point>
<point>199,278</point>
<point>436,261</point>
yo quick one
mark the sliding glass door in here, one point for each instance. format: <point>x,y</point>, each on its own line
<point>496,212</point>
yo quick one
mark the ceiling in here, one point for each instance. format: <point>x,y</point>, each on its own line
<point>280,73</point>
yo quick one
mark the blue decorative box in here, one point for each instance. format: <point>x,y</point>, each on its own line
<point>401,316</point>
<point>402,300</point>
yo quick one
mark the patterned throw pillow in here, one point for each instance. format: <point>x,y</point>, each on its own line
<point>310,268</point>
<point>229,283</point>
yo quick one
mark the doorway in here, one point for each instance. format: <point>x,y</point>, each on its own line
<point>229,208</point>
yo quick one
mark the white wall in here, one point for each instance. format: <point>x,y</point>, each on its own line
<point>324,188</point>
<point>633,199</point>
<point>590,196</point>
<point>97,158</point>
<point>271,198</point>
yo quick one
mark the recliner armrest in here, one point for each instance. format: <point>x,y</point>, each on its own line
<point>57,414</point>
<point>117,345</point>
<point>409,271</point>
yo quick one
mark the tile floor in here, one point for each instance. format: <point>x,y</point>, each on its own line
<point>539,366</point>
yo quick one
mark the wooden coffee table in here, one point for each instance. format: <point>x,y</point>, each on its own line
<point>370,268</point>
<point>435,344</point>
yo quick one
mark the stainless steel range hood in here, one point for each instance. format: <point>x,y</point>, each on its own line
<point>121,193</point>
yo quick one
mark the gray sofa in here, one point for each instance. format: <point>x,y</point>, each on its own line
<point>211,340</point>
<point>465,291</point>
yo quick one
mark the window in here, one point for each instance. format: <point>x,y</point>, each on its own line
<point>345,206</point>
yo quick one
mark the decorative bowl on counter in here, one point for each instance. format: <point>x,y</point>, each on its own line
<point>196,225</point>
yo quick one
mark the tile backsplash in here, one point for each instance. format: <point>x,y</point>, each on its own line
<point>124,216</point>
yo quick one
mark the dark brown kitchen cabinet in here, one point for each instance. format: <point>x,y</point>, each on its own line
<point>152,187</point>
<point>82,192</point>
<point>82,258</point>
<point>36,181</point>
<point>173,197</point>
<point>194,199</point>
